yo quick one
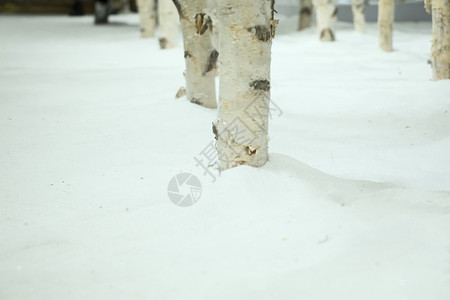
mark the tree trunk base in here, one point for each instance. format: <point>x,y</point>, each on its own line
<point>326,19</point>
<point>386,24</point>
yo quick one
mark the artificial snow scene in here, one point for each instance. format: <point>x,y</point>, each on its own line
<point>229,149</point>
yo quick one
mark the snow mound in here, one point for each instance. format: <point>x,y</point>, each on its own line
<point>289,229</point>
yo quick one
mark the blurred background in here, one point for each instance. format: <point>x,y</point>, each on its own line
<point>59,6</point>
<point>411,10</point>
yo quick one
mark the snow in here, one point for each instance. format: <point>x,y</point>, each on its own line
<point>353,204</point>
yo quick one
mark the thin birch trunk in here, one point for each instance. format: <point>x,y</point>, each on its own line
<point>168,24</point>
<point>386,23</point>
<point>326,14</point>
<point>440,49</point>
<point>246,31</point>
<point>305,14</point>
<point>200,56</point>
<point>147,14</point>
<point>359,21</point>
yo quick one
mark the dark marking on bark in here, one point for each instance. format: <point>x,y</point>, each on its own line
<point>335,12</point>
<point>261,85</point>
<point>199,21</point>
<point>263,33</point>
<point>327,32</point>
<point>249,151</point>
<point>203,23</point>
<point>359,7</point>
<point>187,54</point>
<point>212,61</point>
<point>142,29</point>
<point>305,11</point>
<point>196,101</point>
<point>216,133</point>
<point>163,43</point>
<point>178,6</point>
<point>207,24</point>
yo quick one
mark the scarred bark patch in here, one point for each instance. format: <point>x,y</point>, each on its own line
<point>203,23</point>
<point>163,43</point>
<point>216,133</point>
<point>196,101</point>
<point>207,24</point>
<point>261,85</point>
<point>212,61</point>
<point>305,11</point>
<point>327,35</point>
<point>250,151</point>
<point>262,33</point>
<point>359,7</point>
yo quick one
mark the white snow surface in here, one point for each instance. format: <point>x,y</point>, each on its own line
<point>353,204</point>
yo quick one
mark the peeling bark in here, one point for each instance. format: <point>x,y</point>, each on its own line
<point>168,24</point>
<point>147,14</point>
<point>440,49</point>
<point>246,33</point>
<point>200,56</point>
<point>326,19</point>
<point>305,14</point>
<point>386,23</point>
<point>359,20</point>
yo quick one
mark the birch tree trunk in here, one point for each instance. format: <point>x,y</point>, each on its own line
<point>386,23</point>
<point>359,20</point>
<point>168,24</point>
<point>326,14</point>
<point>200,56</point>
<point>147,14</point>
<point>246,31</point>
<point>305,14</point>
<point>440,49</point>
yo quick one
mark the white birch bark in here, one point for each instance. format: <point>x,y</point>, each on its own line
<point>386,10</point>
<point>326,15</point>
<point>168,24</point>
<point>359,20</point>
<point>305,14</point>
<point>440,48</point>
<point>200,56</point>
<point>147,14</point>
<point>246,31</point>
